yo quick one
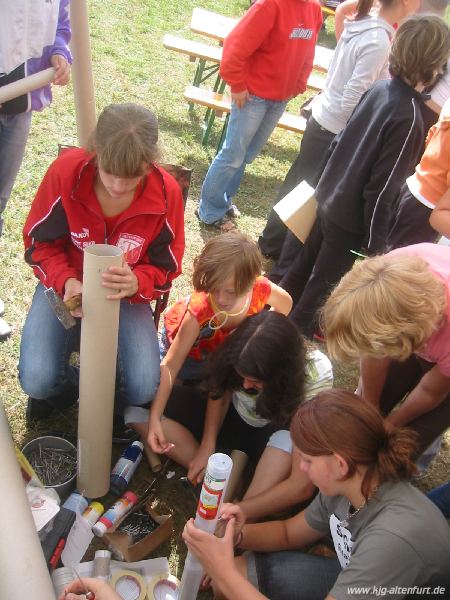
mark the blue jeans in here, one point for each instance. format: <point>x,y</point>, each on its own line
<point>292,574</point>
<point>248,130</point>
<point>45,349</point>
<point>441,497</point>
<point>14,130</point>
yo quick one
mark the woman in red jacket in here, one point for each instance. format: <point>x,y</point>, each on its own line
<point>112,193</point>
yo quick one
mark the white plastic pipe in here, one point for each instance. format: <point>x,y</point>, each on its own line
<point>27,84</point>
<point>83,83</point>
<point>98,357</point>
<point>24,573</point>
<point>214,487</point>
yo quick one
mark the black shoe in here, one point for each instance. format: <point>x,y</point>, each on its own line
<point>37,410</point>
<point>122,434</point>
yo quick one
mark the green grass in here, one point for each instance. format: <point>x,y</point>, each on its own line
<point>130,64</point>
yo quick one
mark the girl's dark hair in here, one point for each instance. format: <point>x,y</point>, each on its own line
<point>267,347</point>
<point>339,422</point>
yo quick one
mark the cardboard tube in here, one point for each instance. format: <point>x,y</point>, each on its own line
<point>240,460</point>
<point>153,459</point>
<point>83,83</point>
<point>24,572</point>
<point>98,356</point>
<point>27,84</point>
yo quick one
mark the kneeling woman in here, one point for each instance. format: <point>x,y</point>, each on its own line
<point>386,533</point>
<point>255,381</point>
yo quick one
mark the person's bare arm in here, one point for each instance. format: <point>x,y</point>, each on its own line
<point>170,367</point>
<point>279,300</point>
<point>273,536</point>
<point>440,217</point>
<point>215,414</point>
<point>344,11</point>
<point>431,390</point>
<point>373,377</point>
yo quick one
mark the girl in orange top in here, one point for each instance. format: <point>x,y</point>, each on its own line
<point>227,289</point>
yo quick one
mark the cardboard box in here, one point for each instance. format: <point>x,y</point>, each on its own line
<point>298,210</point>
<point>122,547</point>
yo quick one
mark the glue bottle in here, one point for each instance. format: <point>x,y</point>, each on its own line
<point>113,514</point>
<point>214,486</point>
<point>125,467</point>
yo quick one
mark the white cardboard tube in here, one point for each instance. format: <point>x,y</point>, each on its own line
<point>27,84</point>
<point>83,83</point>
<point>23,568</point>
<point>98,356</point>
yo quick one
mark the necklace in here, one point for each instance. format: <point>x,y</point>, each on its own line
<point>345,522</point>
<point>226,314</point>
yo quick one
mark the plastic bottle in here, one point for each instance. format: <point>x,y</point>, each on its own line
<point>214,486</point>
<point>93,512</point>
<point>102,567</point>
<point>125,467</point>
<point>76,503</point>
<point>113,514</point>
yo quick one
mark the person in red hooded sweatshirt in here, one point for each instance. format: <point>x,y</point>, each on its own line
<point>267,59</point>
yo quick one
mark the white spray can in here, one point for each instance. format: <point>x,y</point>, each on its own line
<point>214,485</point>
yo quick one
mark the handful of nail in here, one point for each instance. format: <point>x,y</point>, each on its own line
<point>138,525</point>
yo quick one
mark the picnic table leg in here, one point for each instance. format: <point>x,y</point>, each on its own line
<point>210,115</point>
<point>197,78</point>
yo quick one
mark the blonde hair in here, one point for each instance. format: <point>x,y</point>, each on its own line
<point>421,45</point>
<point>386,306</point>
<point>232,254</point>
<point>125,139</point>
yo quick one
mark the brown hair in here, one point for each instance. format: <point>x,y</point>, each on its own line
<point>386,306</point>
<point>338,422</point>
<point>364,7</point>
<point>125,139</point>
<point>231,254</point>
<point>420,47</point>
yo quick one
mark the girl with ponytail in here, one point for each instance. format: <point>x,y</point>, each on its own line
<point>388,537</point>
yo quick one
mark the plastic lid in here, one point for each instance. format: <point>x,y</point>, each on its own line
<point>138,444</point>
<point>98,506</point>
<point>130,496</point>
<point>219,465</point>
<point>99,529</point>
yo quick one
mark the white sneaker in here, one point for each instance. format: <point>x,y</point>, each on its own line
<point>2,307</point>
<point>5,329</point>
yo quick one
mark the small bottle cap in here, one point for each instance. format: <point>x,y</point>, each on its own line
<point>99,529</point>
<point>138,444</point>
<point>130,496</point>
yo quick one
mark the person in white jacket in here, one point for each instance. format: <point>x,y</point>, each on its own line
<point>360,59</point>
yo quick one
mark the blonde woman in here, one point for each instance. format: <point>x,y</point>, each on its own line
<point>392,313</point>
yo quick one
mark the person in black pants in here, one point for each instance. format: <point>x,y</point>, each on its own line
<point>373,155</point>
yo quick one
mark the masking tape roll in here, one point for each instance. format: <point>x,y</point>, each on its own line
<point>160,580</point>
<point>129,585</point>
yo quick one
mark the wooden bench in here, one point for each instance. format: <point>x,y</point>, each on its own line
<point>205,53</point>
<point>221,103</point>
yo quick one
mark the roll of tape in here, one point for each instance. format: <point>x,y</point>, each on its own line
<point>129,585</point>
<point>162,583</point>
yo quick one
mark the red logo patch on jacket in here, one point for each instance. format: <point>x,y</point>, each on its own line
<point>131,245</point>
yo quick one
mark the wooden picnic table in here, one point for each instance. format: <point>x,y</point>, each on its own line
<point>216,26</point>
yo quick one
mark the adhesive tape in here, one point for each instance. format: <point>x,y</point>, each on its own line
<point>129,585</point>
<point>166,585</point>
